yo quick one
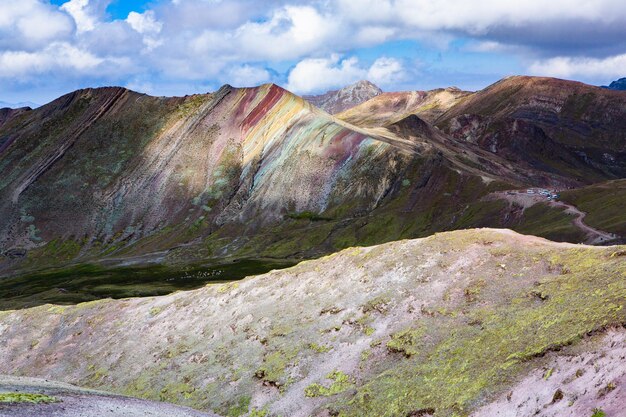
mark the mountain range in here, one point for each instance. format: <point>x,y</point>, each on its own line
<point>239,173</point>
<point>4,104</point>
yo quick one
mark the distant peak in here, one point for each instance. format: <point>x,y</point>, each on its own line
<point>363,84</point>
<point>618,84</point>
<point>352,95</point>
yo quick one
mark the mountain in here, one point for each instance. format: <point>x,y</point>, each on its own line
<point>339,100</point>
<point>4,104</point>
<point>546,122</point>
<point>618,84</point>
<point>108,177</point>
<point>475,323</point>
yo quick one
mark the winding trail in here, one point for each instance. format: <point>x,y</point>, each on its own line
<point>521,198</point>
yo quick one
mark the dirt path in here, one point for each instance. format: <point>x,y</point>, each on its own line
<point>525,200</point>
<point>78,402</point>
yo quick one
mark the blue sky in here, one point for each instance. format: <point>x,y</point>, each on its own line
<point>177,47</point>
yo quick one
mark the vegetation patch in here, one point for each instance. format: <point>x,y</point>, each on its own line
<point>241,408</point>
<point>272,371</point>
<point>307,215</point>
<point>340,382</point>
<point>598,413</point>
<point>26,398</point>
<point>319,348</point>
<point>379,304</point>
<point>407,341</point>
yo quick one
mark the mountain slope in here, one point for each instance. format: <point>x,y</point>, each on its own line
<point>438,326</point>
<point>339,100</point>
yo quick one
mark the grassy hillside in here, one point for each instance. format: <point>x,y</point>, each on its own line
<point>604,204</point>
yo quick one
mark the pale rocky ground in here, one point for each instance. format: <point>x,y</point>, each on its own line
<point>571,384</point>
<point>73,401</point>
<point>442,325</point>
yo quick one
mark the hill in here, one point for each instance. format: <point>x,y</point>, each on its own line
<point>460,323</point>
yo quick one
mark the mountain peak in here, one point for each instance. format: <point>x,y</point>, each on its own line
<point>363,84</point>
<point>618,84</point>
<point>352,95</point>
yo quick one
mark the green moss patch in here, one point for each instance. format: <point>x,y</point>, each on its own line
<point>407,341</point>
<point>26,398</point>
<point>340,382</point>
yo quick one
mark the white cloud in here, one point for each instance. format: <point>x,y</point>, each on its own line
<point>386,71</point>
<point>486,46</point>
<point>321,74</point>
<point>57,56</point>
<point>29,23</point>
<point>144,22</point>
<point>291,32</point>
<point>478,17</point>
<point>247,76</point>
<point>203,42</point>
<point>81,13</point>
<point>567,67</point>
<point>313,75</point>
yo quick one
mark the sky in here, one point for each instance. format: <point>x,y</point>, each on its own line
<point>177,47</point>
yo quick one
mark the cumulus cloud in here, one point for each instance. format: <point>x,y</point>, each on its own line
<point>59,55</point>
<point>31,23</point>
<point>247,75</point>
<point>200,43</point>
<point>148,26</point>
<point>81,13</point>
<point>387,71</point>
<point>292,31</point>
<point>568,67</point>
<point>321,74</point>
<point>144,22</point>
